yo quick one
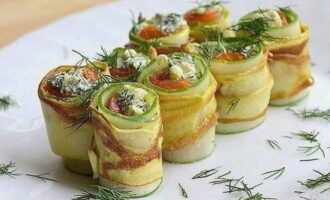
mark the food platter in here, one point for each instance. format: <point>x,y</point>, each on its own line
<point>24,139</point>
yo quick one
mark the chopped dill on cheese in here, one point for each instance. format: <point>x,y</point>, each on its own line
<point>132,100</point>
<point>72,82</point>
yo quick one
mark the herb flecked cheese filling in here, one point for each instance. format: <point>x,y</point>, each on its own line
<point>72,82</point>
<point>132,100</point>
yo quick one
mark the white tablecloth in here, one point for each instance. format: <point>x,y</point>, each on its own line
<point>22,131</point>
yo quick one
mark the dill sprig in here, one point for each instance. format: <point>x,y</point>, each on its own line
<point>241,186</point>
<point>8,169</point>
<point>256,28</point>
<point>206,173</point>
<point>233,103</point>
<point>309,150</point>
<point>274,144</point>
<point>313,183</point>
<point>274,173</point>
<point>223,179</point>
<point>307,160</point>
<point>83,118</point>
<point>311,113</point>
<point>310,136</point>
<point>41,177</point>
<point>183,191</point>
<point>6,102</point>
<point>104,194</point>
<point>108,57</point>
<point>136,22</point>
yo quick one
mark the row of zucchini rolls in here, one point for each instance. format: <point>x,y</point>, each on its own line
<point>180,80</point>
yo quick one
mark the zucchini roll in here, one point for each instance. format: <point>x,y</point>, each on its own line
<point>186,91</point>
<point>289,60</point>
<point>209,20</point>
<point>126,147</point>
<point>64,94</point>
<point>168,33</point>
<point>240,67</point>
<point>124,64</point>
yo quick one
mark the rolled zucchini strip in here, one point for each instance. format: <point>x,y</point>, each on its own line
<point>126,147</point>
<point>189,111</point>
<point>240,67</point>
<point>168,33</point>
<point>289,58</point>
<point>61,110</point>
<point>208,22</point>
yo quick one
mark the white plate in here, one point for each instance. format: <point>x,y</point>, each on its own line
<point>23,137</point>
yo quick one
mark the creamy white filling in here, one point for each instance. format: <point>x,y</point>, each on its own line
<point>72,82</point>
<point>181,66</point>
<point>132,100</point>
<point>169,22</point>
<point>131,58</point>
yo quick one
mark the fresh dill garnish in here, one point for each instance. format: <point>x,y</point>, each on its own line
<point>41,177</point>
<point>83,118</point>
<point>183,191</point>
<point>6,102</point>
<point>274,173</point>
<point>108,57</point>
<point>286,136</point>
<point>307,160</point>
<point>325,190</point>
<point>241,186</point>
<point>255,28</point>
<point>310,136</point>
<point>8,169</point>
<point>206,173</point>
<point>311,113</point>
<point>233,103</point>
<point>309,150</point>
<point>313,183</point>
<point>274,144</point>
<point>223,179</point>
<point>104,194</point>
<point>136,22</point>
<point>210,49</point>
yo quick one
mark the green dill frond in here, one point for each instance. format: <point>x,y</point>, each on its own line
<point>137,21</point>
<point>6,102</point>
<point>274,173</point>
<point>309,150</point>
<point>274,144</point>
<point>311,113</point>
<point>233,103</point>
<point>310,136</point>
<point>183,191</point>
<point>206,173</point>
<point>255,28</point>
<point>8,169</point>
<point>41,177</point>
<point>210,49</point>
<point>108,57</point>
<point>314,183</point>
<point>104,193</point>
